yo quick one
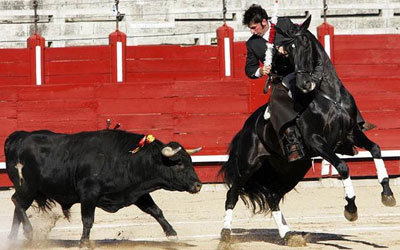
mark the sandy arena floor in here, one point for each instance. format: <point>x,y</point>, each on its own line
<point>314,211</point>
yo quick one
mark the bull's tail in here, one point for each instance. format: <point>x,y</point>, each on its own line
<point>43,203</point>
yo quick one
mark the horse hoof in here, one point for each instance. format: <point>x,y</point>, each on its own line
<point>388,200</point>
<point>226,234</point>
<point>86,243</point>
<point>172,238</point>
<point>350,216</point>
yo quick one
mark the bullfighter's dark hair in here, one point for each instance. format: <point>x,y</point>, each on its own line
<point>255,13</point>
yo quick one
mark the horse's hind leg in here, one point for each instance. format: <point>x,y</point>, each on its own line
<point>232,197</point>
<point>361,140</point>
<point>350,210</point>
<point>283,227</point>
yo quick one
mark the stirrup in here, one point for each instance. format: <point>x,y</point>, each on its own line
<point>294,151</point>
<point>267,113</point>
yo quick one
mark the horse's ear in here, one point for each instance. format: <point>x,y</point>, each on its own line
<point>304,26</point>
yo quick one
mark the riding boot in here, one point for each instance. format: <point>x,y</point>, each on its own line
<point>293,145</point>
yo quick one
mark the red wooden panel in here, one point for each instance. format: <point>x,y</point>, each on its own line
<point>139,122</point>
<point>56,110</point>
<point>196,88</point>
<point>14,69</point>
<point>168,76</point>
<point>368,70</point>
<point>15,80</point>
<point>378,101</point>
<point>367,56</point>
<point>136,90</point>
<point>14,55</point>
<point>8,93</point>
<point>383,119</point>
<point>58,92</point>
<point>4,180</point>
<point>367,167</point>
<point>67,126</point>
<point>77,67</point>
<point>7,126</point>
<point>389,41</point>
<point>78,78</point>
<point>172,65</point>
<point>8,109</point>
<point>171,51</point>
<point>172,88</point>
<point>78,53</point>
<point>208,173</point>
<point>212,143</point>
<point>211,104</point>
<point>386,138</point>
<point>135,106</point>
<point>209,123</point>
<point>2,142</point>
<point>367,85</point>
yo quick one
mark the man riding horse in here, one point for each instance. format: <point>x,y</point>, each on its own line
<point>283,108</point>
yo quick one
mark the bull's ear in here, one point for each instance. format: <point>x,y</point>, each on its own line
<point>304,26</point>
<point>194,150</point>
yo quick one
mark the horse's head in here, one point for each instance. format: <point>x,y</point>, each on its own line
<point>299,46</point>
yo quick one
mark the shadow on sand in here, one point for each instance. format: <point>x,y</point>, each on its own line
<point>96,244</point>
<point>271,236</point>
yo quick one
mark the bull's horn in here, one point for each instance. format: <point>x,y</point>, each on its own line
<point>194,150</point>
<point>169,152</point>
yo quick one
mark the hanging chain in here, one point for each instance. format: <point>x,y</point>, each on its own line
<point>224,10</point>
<point>36,17</point>
<point>325,10</point>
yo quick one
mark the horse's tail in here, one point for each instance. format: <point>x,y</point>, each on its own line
<point>230,169</point>
<point>255,190</point>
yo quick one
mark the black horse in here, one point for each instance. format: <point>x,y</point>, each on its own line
<point>257,170</point>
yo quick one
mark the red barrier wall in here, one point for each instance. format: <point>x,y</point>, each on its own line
<point>176,93</point>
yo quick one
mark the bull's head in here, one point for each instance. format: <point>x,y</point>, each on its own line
<point>180,172</point>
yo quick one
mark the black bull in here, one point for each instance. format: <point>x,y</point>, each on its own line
<point>257,170</point>
<point>96,169</point>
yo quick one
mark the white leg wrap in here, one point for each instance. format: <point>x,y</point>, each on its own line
<point>380,169</point>
<point>267,113</point>
<point>280,223</point>
<point>228,218</point>
<point>348,188</point>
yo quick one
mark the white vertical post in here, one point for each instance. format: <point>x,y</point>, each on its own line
<point>38,55</point>
<point>327,41</point>
<point>227,54</point>
<point>119,62</point>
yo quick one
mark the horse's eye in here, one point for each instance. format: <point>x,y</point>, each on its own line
<point>293,46</point>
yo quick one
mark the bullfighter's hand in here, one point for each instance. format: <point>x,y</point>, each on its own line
<point>283,51</point>
<point>265,70</point>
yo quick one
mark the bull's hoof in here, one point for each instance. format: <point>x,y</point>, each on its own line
<point>226,234</point>
<point>28,234</point>
<point>388,200</point>
<point>350,216</point>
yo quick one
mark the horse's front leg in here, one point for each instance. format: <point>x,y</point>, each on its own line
<point>362,141</point>
<point>319,145</point>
